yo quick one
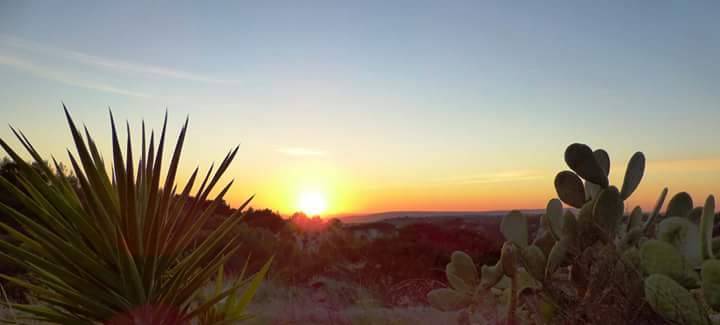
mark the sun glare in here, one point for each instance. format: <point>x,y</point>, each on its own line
<point>312,203</point>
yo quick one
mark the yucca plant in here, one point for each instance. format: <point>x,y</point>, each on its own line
<point>232,308</point>
<point>121,247</point>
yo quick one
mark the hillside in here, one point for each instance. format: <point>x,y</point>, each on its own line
<point>384,216</point>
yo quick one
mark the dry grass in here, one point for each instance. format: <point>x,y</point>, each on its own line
<point>338,304</point>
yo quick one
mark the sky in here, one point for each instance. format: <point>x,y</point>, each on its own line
<point>381,105</point>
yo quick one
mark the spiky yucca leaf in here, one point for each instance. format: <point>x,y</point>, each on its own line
<point>121,242</point>
<point>227,306</point>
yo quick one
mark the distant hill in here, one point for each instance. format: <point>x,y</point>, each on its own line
<point>374,217</point>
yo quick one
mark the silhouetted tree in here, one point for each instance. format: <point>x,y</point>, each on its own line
<point>264,218</point>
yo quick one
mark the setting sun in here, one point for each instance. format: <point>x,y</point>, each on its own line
<point>312,203</point>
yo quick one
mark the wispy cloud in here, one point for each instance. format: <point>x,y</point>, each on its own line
<point>108,63</point>
<point>685,165</point>
<point>300,152</point>
<point>50,74</point>
<point>498,177</point>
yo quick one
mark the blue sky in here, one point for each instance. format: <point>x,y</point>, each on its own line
<point>381,100</point>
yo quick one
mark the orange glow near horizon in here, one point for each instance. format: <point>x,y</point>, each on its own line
<point>327,193</point>
<point>332,182</point>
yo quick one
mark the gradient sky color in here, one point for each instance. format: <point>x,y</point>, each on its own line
<point>383,105</point>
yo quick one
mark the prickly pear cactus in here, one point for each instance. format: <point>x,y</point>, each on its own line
<point>544,240</point>
<point>520,267</point>
<point>506,280</point>
<point>515,229</point>
<point>673,302</point>
<point>491,274</point>
<point>694,241</point>
<point>680,205</point>
<point>633,175</point>
<point>659,257</point>
<point>556,258</point>
<point>582,161</point>
<point>684,236</point>
<point>463,278</point>
<point>603,160</point>
<point>570,189</point>
<point>656,211</point>
<point>706,228</point>
<point>711,283</point>
<point>635,220</point>
<point>508,258</point>
<point>553,218</point>
<point>446,299</point>
<point>601,205</point>
<point>533,259</point>
<point>608,210</point>
<point>462,267</point>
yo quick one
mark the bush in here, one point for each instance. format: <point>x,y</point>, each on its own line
<point>115,249</point>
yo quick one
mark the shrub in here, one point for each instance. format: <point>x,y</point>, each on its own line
<point>120,248</point>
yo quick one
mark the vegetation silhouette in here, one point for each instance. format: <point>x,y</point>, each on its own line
<point>120,246</point>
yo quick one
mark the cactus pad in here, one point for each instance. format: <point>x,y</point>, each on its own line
<point>659,257</point>
<point>569,188</point>
<point>603,159</point>
<point>514,228</point>
<point>633,175</point>
<point>673,302</point>
<point>491,275</point>
<point>554,217</point>
<point>635,219</point>
<point>711,283</point>
<point>680,205</point>
<point>534,261</point>
<point>462,274</point>
<point>581,160</point>
<point>508,258</point>
<point>684,235</point>
<point>706,227</point>
<point>556,258</point>
<point>445,299</point>
<point>608,209</point>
